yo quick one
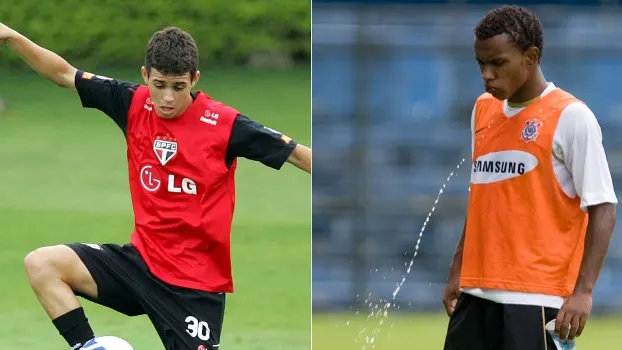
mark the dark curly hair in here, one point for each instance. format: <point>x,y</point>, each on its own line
<point>172,51</point>
<point>522,26</point>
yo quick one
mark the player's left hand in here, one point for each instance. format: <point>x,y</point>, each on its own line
<point>573,315</point>
<point>6,33</point>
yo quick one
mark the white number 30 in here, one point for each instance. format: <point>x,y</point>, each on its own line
<point>197,329</point>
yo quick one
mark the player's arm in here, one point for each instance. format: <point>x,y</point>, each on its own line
<point>43,61</point>
<point>254,141</point>
<point>602,219</point>
<point>452,288</point>
<point>583,154</point>
<point>456,263</point>
<point>301,158</point>
<point>110,96</point>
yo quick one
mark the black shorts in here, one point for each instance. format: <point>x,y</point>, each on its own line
<point>185,319</point>
<point>480,324</point>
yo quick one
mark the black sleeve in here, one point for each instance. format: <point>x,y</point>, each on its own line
<point>254,141</point>
<point>110,96</point>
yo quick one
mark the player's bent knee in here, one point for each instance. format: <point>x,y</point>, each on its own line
<point>39,264</point>
<point>59,263</point>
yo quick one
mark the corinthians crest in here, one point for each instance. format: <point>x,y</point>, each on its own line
<point>165,148</point>
<point>530,131</point>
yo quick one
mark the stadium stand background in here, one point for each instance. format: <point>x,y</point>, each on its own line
<point>394,84</point>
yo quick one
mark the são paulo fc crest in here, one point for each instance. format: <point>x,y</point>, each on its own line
<point>165,148</point>
<point>530,131</point>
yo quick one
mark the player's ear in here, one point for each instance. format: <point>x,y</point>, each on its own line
<point>197,75</point>
<point>531,55</point>
<point>145,74</point>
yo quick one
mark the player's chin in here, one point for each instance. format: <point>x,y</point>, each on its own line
<point>498,94</point>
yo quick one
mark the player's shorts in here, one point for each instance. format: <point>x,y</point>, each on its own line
<point>185,319</point>
<point>486,325</point>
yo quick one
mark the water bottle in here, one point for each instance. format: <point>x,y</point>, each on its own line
<point>561,344</point>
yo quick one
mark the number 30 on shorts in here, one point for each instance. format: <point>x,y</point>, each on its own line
<point>197,329</point>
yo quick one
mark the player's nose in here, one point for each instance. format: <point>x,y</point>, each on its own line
<point>487,74</point>
<point>168,98</point>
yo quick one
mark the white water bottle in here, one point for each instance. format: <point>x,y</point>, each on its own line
<point>560,344</point>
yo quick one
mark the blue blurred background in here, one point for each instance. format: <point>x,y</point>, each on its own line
<point>394,84</point>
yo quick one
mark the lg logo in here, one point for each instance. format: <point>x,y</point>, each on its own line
<point>197,329</point>
<point>151,179</point>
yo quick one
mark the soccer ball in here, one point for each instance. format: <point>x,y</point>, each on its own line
<point>107,343</point>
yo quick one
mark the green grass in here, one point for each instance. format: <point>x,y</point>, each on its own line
<point>425,331</point>
<point>64,179</point>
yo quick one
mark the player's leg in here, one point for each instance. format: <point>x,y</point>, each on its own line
<point>467,325</point>
<point>54,273</point>
<point>98,273</point>
<point>524,327</point>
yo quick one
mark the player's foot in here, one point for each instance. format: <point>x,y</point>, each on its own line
<point>87,345</point>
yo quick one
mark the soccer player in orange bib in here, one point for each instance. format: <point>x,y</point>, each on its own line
<point>541,206</point>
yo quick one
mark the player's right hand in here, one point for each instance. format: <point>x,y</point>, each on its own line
<point>452,292</point>
<point>6,33</point>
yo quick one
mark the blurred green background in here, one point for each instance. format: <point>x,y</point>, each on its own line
<point>64,176</point>
<point>115,32</point>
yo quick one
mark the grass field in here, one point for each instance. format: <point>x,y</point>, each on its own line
<point>427,332</point>
<point>63,179</point>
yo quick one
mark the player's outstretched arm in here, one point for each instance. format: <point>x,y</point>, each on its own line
<point>254,141</point>
<point>301,158</point>
<point>43,61</point>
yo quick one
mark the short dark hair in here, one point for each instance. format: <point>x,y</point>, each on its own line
<point>172,51</point>
<point>522,26</point>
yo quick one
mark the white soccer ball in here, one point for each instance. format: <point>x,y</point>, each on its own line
<point>107,343</point>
